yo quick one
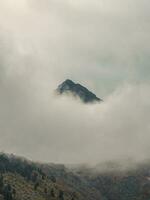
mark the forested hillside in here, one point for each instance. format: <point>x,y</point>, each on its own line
<point>21,179</point>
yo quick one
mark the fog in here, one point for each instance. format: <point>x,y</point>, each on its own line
<point>104,45</point>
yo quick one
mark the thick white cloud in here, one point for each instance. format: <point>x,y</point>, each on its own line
<point>102,44</point>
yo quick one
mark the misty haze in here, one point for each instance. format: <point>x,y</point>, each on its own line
<point>74,99</point>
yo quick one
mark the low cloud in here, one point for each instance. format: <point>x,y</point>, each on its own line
<point>60,129</point>
<point>104,45</point>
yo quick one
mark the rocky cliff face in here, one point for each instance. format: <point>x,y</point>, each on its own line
<point>77,90</point>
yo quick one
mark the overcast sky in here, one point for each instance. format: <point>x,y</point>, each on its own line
<point>104,45</point>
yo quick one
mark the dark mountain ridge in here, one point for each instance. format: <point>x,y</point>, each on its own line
<point>26,180</point>
<point>77,90</point>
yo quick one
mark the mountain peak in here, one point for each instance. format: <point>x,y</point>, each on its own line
<point>77,90</point>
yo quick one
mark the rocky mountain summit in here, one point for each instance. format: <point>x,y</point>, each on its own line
<point>77,90</point>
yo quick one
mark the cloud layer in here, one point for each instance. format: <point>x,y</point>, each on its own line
<point>102,44</point>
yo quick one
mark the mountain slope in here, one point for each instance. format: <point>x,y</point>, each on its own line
<point>77,90</point>
<point>26,180</point>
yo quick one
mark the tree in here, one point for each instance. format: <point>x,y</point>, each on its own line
<point>45,190</point>
<point>34,176</point>
<point>61,195</point>
<point>8,192</point>
<point>14,192</point>
<point>1,184</point>
<point>53,179</point>
<point>36,185</point>
<point>52,193</point>
<point>73,196</point>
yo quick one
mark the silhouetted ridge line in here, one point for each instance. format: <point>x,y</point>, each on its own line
<point>77,90</point>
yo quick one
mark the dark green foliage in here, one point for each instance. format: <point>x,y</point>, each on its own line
<point>80,185</point>
<point>43,176</point>
<point>73,196</point>
<point>26,169</point>
<point>53,179</point>
<point>36,185</point>
<point>45,190</point>
<point>1,184</point>
<point>34,177</point>
<point>14,192</point>
<point>4,163</point>
<point>61,195</point>
<point>52,193</point>
<point>7,192</point>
